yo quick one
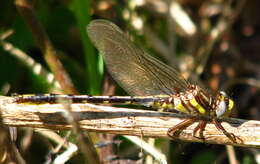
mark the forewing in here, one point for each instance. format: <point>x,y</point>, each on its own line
<point>134,70</point>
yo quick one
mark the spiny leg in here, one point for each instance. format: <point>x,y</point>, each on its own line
<point>201,127</point>
<point>174,131</point>
<point>231,136</point>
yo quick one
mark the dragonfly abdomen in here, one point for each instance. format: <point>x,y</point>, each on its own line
<point>55,98</point>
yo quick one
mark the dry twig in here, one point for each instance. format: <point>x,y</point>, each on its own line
<point>124,122</point>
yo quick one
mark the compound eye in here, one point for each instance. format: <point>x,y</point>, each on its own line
<point>223,93</point>
<point>221,109</point>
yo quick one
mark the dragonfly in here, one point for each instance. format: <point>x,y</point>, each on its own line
<point>149,81</point>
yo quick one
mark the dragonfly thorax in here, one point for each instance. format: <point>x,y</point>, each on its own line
<point>193,101</point>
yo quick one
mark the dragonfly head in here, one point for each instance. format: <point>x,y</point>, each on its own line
<point>224,105</point>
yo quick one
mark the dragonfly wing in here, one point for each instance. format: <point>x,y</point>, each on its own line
<point>136,71</point>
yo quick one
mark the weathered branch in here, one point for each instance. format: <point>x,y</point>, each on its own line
<point>124,121</point>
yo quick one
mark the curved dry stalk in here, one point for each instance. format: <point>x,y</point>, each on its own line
<point>27,12</point>
<point>124,121</point>
<point>37,68</point>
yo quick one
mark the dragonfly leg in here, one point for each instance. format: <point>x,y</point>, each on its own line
<point>231,136</point>
<point>175,131</point>
<point>200,127</point>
